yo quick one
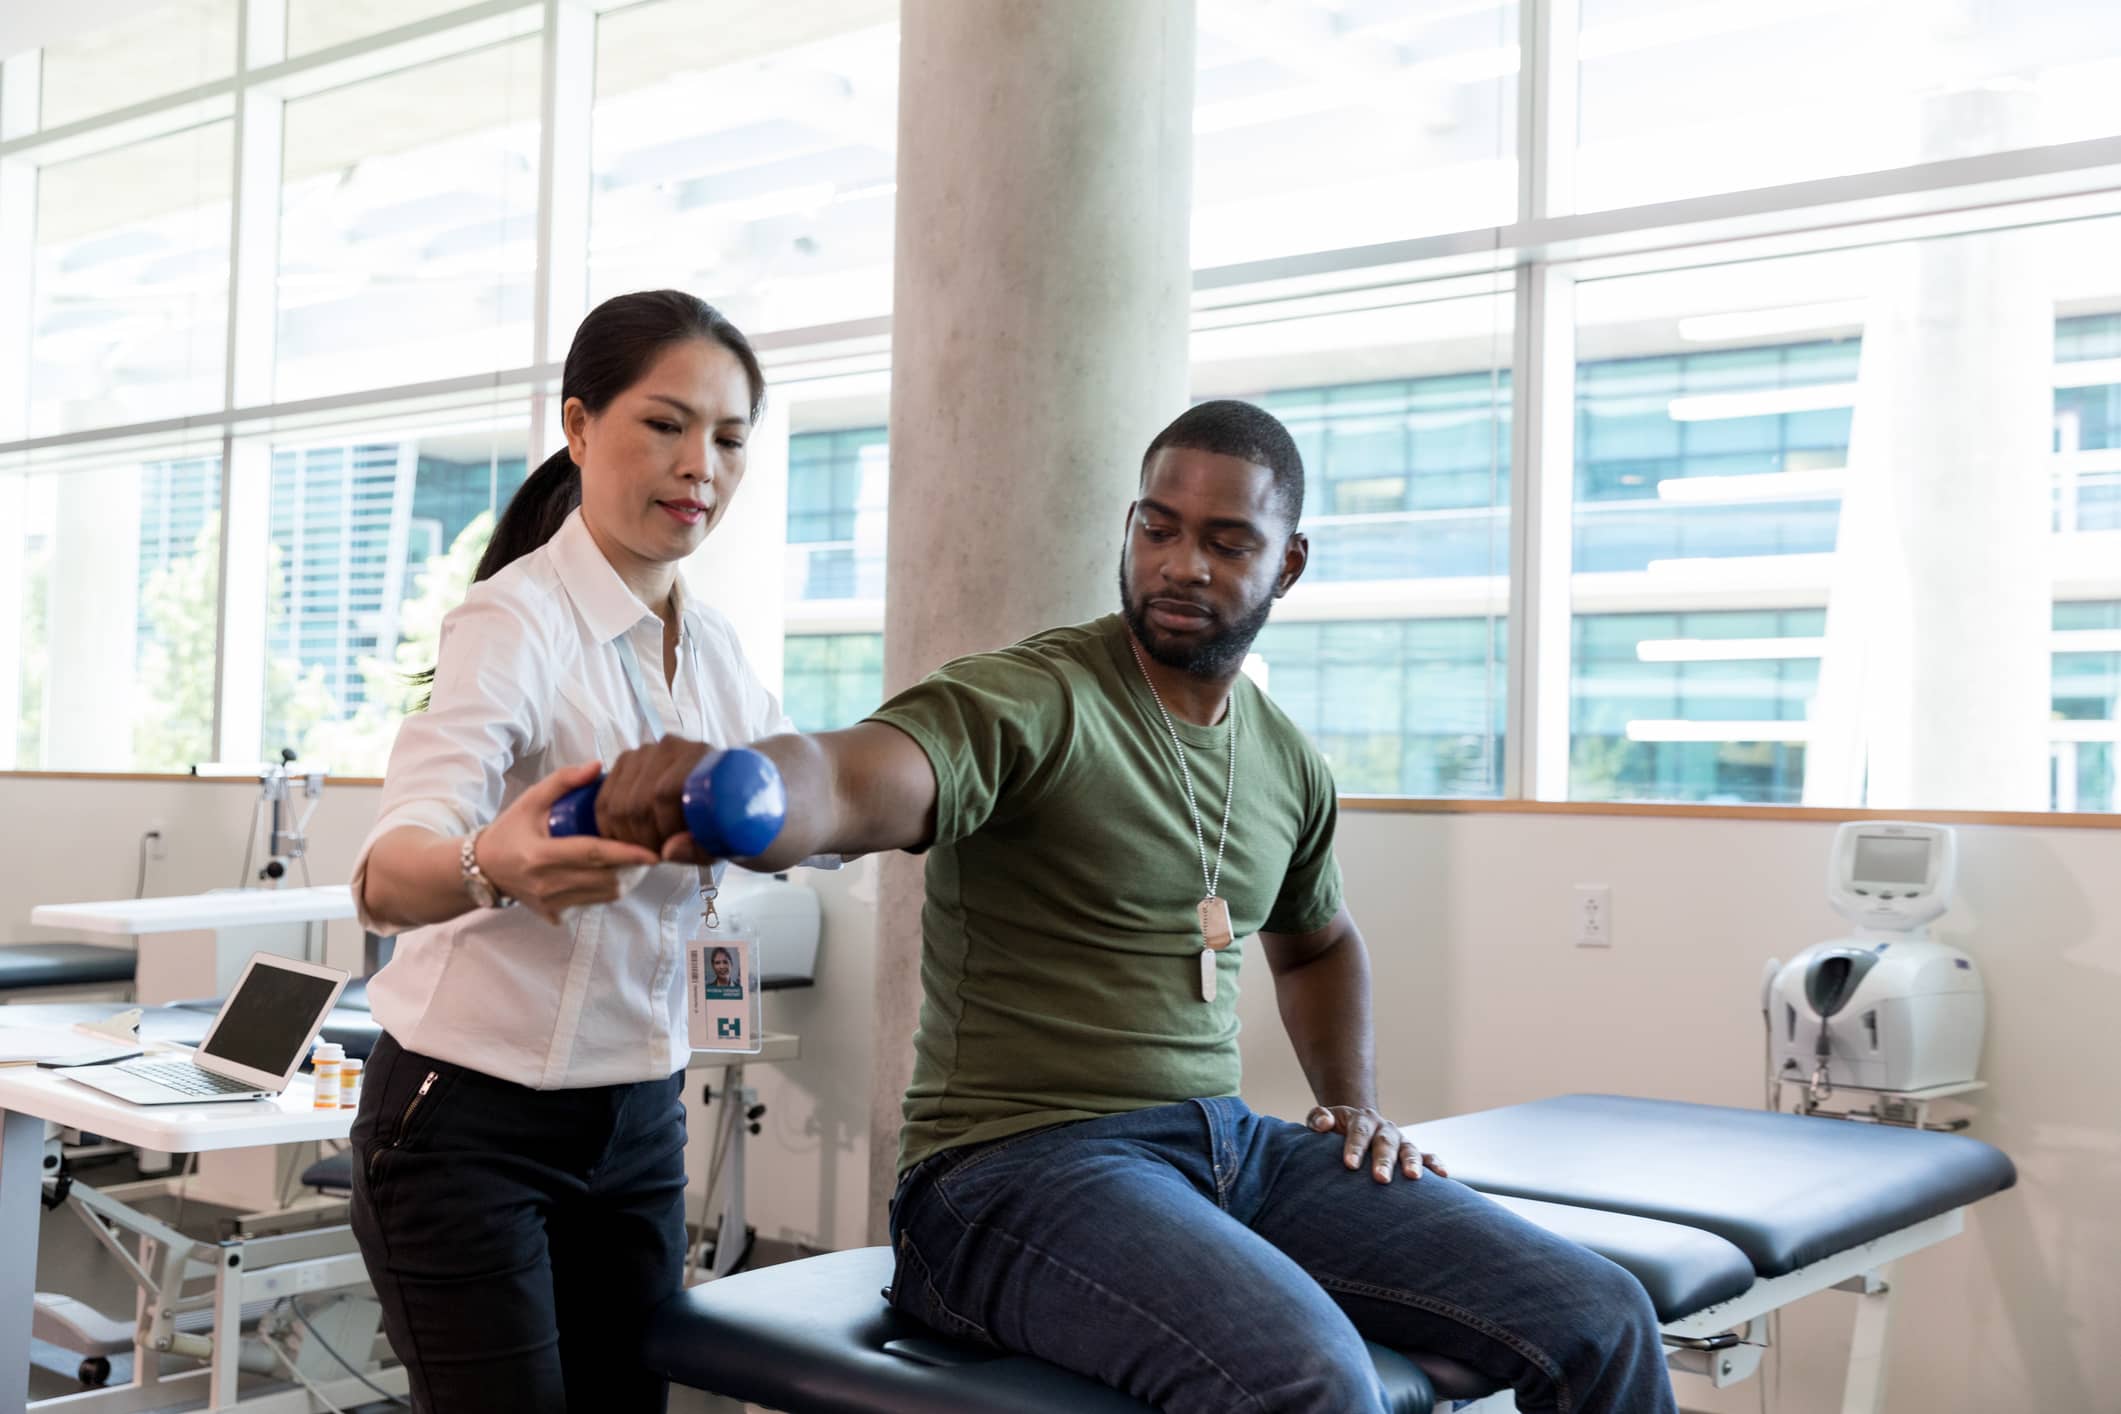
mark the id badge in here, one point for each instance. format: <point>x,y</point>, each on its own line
<point>723,1008</point>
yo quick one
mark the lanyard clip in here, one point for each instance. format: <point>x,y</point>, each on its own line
<point>707,893</point>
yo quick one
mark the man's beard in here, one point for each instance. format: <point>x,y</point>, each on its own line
<point>1217,656</point>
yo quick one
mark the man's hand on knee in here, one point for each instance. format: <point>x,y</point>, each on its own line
<point>1369,1132</point>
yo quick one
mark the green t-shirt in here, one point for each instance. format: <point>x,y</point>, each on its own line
<point>1060,972</point>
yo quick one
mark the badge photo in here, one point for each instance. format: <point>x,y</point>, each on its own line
<point>723,1007</point>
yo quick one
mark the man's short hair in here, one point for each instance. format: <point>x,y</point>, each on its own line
<point>1230,428</point>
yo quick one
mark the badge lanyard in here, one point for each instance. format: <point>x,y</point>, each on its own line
<point>722,1000</point>
<point>1213,910</point>
<point>630,667</point>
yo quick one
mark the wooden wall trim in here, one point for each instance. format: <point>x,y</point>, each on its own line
<point>1403,805</point>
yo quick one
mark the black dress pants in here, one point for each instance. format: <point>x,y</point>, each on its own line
<point>518,1238</point>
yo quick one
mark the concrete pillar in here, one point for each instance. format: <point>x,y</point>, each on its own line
<point>1038,341</point>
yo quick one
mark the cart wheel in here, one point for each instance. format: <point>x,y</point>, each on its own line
<point>94,1372</point>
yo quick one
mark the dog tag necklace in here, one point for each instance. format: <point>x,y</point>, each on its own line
<point>1213,911</point>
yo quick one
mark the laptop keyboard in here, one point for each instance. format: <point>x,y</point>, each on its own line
<point>183,1075</point>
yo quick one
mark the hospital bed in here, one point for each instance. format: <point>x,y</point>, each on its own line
<point>1724,1215</point>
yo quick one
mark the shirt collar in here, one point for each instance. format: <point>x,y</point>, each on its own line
<point>606,605</point>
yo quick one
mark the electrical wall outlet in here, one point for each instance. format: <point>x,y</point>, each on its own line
<point>157,841</point>
<point>1594,916</point>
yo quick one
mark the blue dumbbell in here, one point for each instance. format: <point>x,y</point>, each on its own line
<point>734,803</point>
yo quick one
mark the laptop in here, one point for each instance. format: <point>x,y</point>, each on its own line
<point>258,1041</point>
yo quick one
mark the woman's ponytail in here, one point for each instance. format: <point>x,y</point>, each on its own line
<point>533,515</point>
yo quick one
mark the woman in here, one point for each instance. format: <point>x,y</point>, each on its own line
<point>519,1155</point>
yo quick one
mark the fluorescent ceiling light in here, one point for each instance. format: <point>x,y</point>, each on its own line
<point>1762,402</point>
<point>1726,650</point>
<point>1671,729</point>
<point>1765,486</point>
<point>1755,323</point>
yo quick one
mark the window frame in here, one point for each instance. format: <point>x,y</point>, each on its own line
<point>1545,251</point>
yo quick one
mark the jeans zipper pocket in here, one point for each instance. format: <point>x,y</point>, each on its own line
<point>397,1135</point>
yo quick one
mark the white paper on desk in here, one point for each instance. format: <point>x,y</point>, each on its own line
<point>60,1045</point>
<point>118,1026</point>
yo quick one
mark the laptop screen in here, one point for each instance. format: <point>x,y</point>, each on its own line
<point>269,1017</point>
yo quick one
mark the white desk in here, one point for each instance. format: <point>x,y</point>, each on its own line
<point>232,908</point>
<point>29,1097</point>
<point>222,929</point>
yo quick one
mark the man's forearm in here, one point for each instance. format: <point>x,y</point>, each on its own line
<point>813,825</point>
<point>860,791</point>
<point>1325,1008</point>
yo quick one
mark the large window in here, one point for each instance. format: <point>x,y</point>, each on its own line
<point>408,233</point>
<point>161,48</point>
<point>1392,651</point>
<point>749,157</point>
<point>129,319</point>
<point>1893,460</point>
<point>373,535</point>
<point>1681,97</point>
<point>109,577</point>
<point>1654,453</point>
<point>833,679</point>
<point>1398,706</point>
<point>1318,126</point>
<point>837,488</point>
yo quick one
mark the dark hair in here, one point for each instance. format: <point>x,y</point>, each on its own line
<point>611,351</point>
<point>1250,433</point>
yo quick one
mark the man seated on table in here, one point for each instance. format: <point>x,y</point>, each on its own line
<point>1111,813</point>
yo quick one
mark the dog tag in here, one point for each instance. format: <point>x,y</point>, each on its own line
<point>1207,975</point>
<point>1214,923</point>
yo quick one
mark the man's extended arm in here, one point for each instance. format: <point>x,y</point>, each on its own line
<point>857,791</point>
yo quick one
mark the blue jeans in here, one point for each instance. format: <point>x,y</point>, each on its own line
<point>1204,1258</point>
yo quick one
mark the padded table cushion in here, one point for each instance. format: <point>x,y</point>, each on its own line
<point>333,1171</point>
<point>1786,1190</point>
<point>63,965</point>
<point>815,1337</point>
<point>1682,1268</point>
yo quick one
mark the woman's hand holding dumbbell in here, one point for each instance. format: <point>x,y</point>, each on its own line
<point>688,802</point>
<point>519,853</point>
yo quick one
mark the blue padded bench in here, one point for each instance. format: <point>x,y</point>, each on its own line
<point>1786,1190</point>
<point>35,968</point>
<point>332,1174</point>
<point>816,1337</point>
<point>1699,1202</point>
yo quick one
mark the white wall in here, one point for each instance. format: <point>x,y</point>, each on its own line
<point>1483,1001</point>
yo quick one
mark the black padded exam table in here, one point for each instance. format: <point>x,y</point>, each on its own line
<point>1722,1214</point>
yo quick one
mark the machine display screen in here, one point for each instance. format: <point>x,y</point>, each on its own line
<point>1881,859</point>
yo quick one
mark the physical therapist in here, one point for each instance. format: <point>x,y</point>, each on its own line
<point>519,1155</point>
